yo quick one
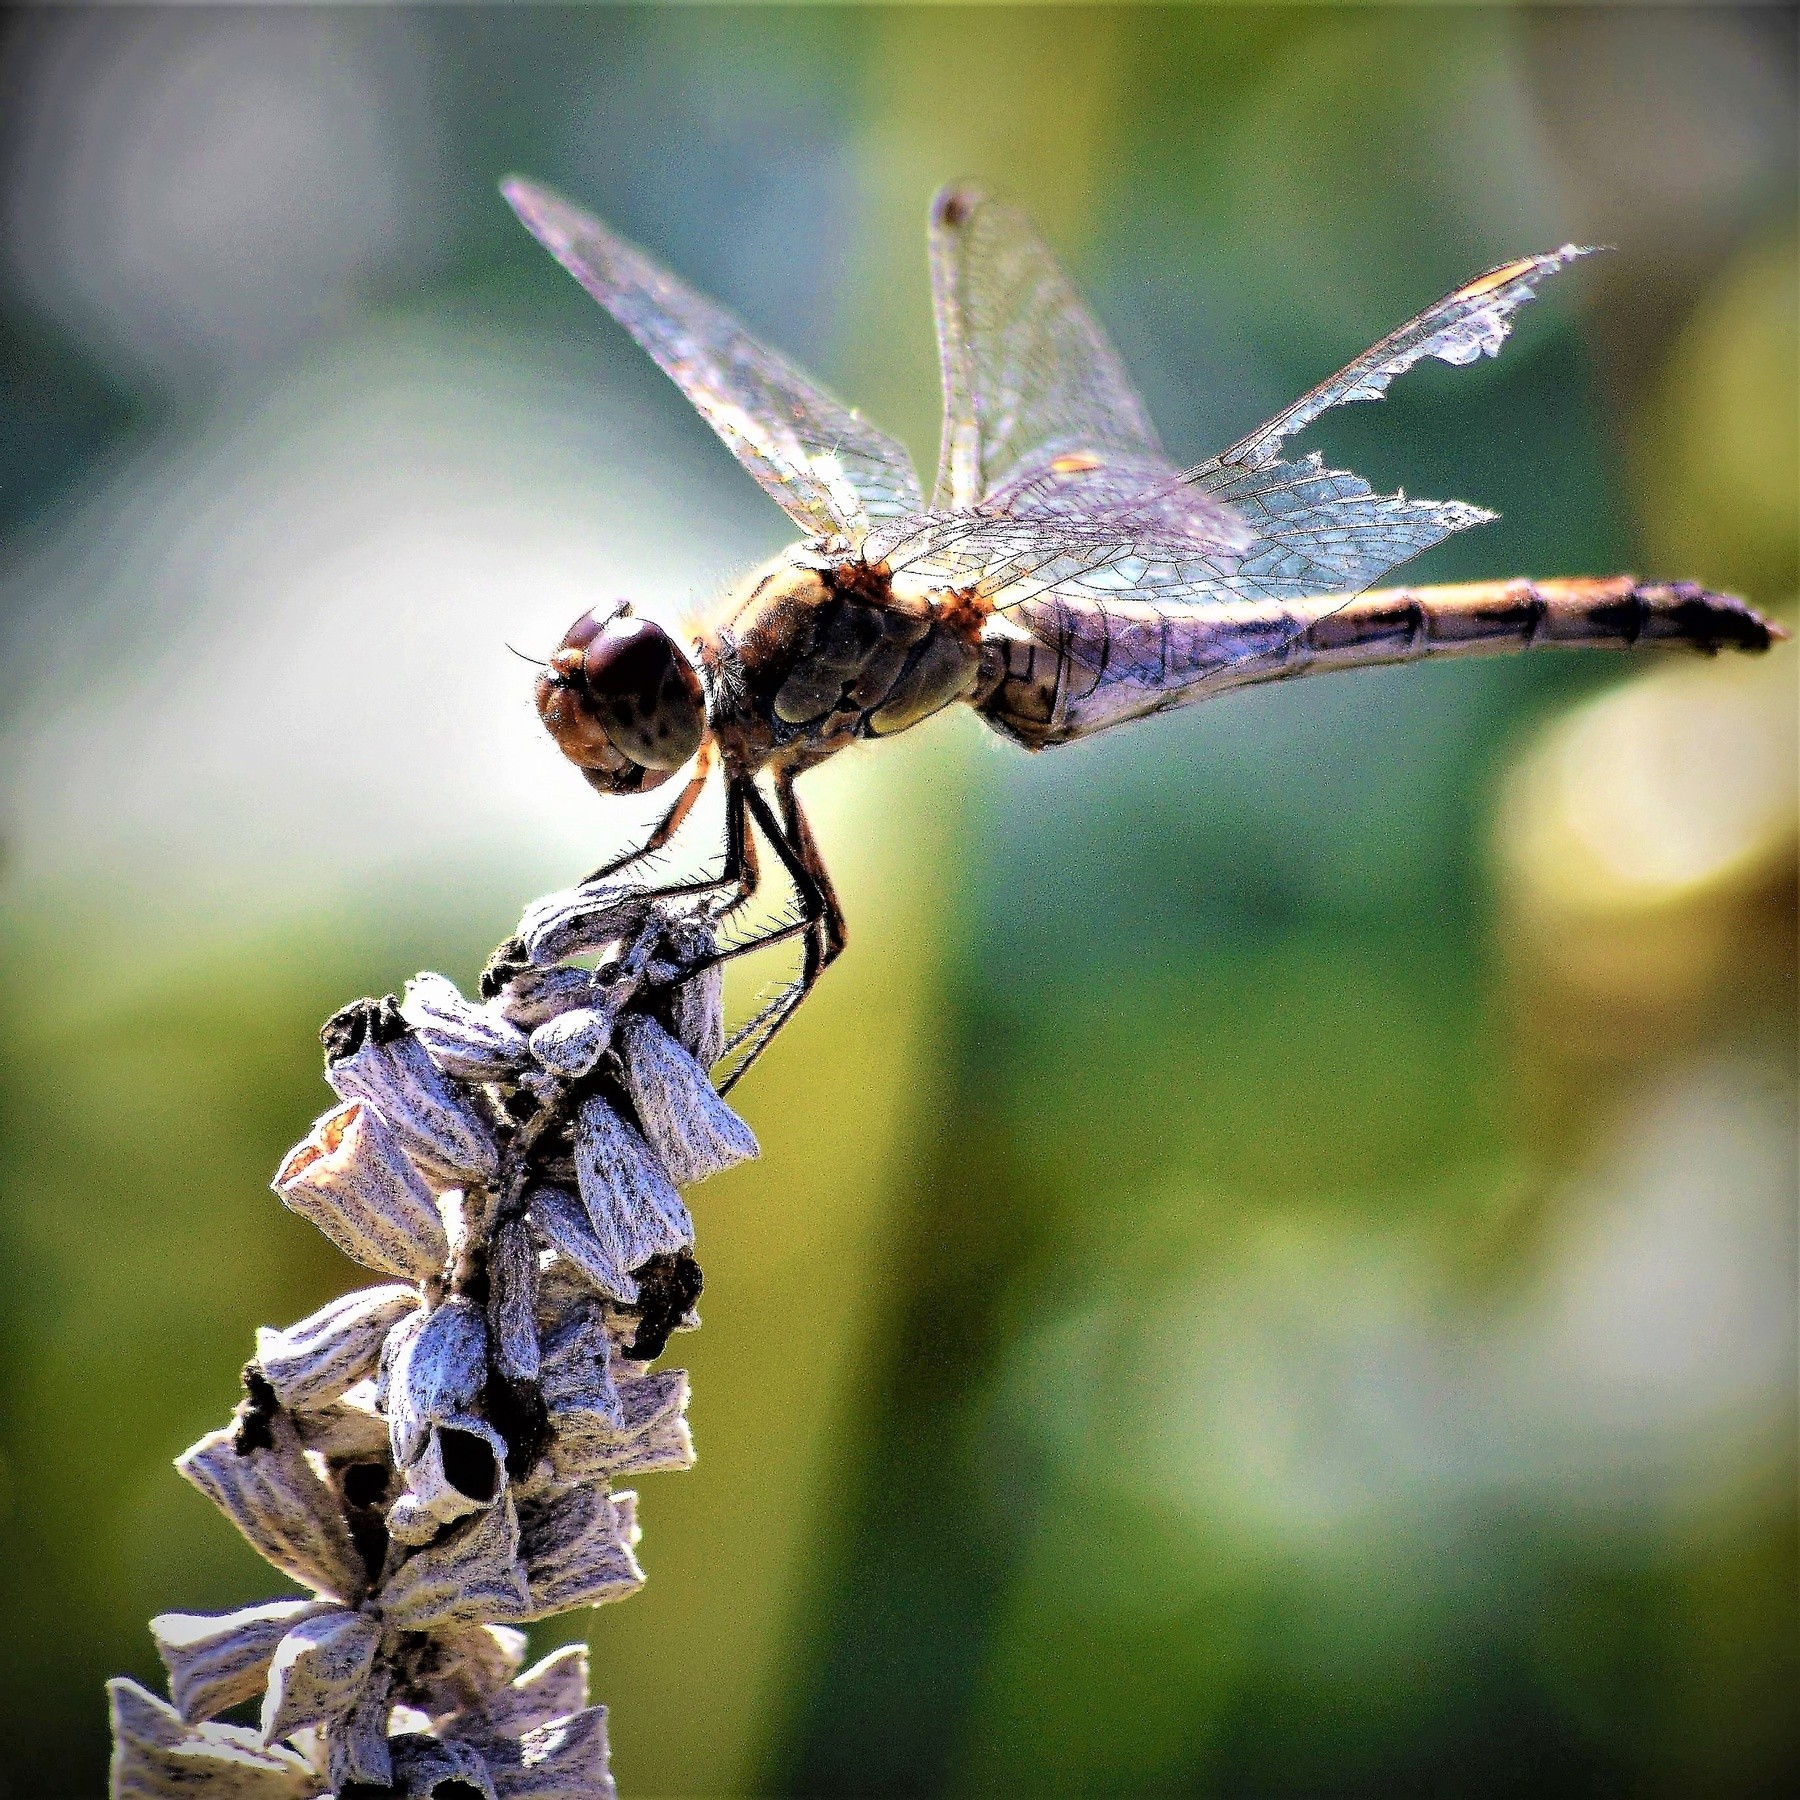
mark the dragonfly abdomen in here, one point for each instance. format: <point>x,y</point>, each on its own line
<point>1488,617</point>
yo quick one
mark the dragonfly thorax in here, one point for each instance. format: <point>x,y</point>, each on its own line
<point>820,657</point>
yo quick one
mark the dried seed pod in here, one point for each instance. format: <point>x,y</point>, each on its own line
<point>351,1179</point>
<point>218,1660</point>
<point>577,1381</point>
<point>157,1755</point>
<point>471,1574</point>
<point>461,1469</point>
<point>318,1672</point>
<point>512,1299</point>
<point>356,1747</point>
<point>576,1544</point>
<point>551,1689</point>
<point>694,1010</point>
<point>371,1054</point>
<point>468,1040</point>
<point>634,1210</point>
<point>562,1221</point>
<point>331,1350</point>
<point>564,1759</point>
<point>536,995</point>
<point>654,1435</point>
<point>581,919</point>
<point>692,1131</point>
<point>571,1043</point>
<point>287,1513</point>
<point>435,1374</point>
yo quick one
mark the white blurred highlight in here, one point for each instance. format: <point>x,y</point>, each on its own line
<point>269,663</point>
<point>191,191</point>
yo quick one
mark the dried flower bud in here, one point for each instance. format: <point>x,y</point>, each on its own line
<point>286,1512</point>
<point>318,1672</point>
<point>472,1574</point>
<point>631,1204</point>
<point>331,1350</point>
<point>157,1755</point>
<point>372,1054</point>
<point>576,1544</point>
<point>581,919</point>
<point>470,1041</point>
<point>435,1373</point>
<point>572,1042</point>
<point>218,1660</point>
<point>692,1131</point>
<point>428,1766</point>
<point>352,1180</point>
<point>512,1299</point>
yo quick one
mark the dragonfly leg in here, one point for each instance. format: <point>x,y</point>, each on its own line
<point>759,1031</point>
<point>667,826</point>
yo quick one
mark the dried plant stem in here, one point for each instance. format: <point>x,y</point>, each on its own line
<point>432,1459</point>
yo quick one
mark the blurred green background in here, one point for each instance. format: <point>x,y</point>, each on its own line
<point>1273,1271</point>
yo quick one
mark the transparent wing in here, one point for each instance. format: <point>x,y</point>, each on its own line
<point>1463,327</point>
<point>1040,418</point>
<point>828,468</point>
<point>1133,606</point>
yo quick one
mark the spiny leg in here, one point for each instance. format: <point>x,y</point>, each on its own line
<point>826,944</point>
<point>666,827</point>
<point>759,1031</point>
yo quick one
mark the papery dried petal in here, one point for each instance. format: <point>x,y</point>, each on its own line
<point>348,1430</point>
<point>576,1546</point>
<point>217,1660</point>
<point>461,1469</point>
<point>157,1755</point>
<point>512,1299</point>
<point>551,1689</point>
<point>271,1494</point>
<point>356,1747</point>
<point>535,996</point>
<point>562,1759</point>
<point>426,1766</point>
<point>318,1672</point>
<point>373,1055</point>
<point>436,1373</point>
<point>661,1442</point>
<point>351,1179</point>
<point>471,1574</point>
<point>470,1041</point>
<point>458,1668</point>
<point>691,1130</point>
<point>581,919</point>
<point>331,1350</point>
<point>634,1210</point>
<point>576,1378</point>
<point>571,1043</point>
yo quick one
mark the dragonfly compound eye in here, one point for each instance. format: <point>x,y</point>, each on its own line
<point>623,702</point>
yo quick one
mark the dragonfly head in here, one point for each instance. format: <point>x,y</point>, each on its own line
<point>622,701</point>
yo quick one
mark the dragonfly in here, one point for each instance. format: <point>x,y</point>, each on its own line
<point>1064,577</point>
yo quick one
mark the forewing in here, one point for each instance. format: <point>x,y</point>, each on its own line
<point>828,468</point>
<point>1040,418</point>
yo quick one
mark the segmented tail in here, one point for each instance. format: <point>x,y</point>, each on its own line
<point>1485,617</point>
